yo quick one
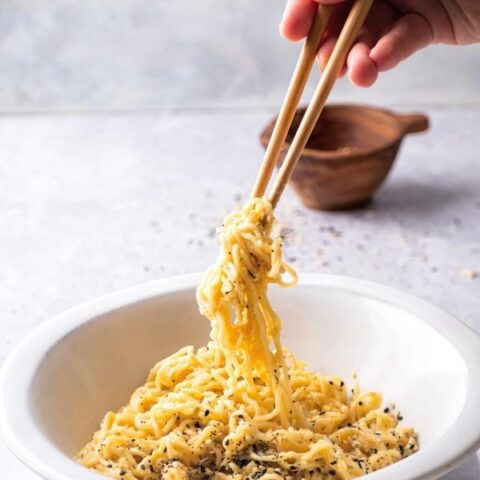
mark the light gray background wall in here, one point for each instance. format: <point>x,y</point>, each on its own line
<point>128,54</point>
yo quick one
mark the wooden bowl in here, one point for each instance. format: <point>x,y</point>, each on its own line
<point>349,154</point>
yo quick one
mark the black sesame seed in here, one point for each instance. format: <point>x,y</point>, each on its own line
<point>242,462</point>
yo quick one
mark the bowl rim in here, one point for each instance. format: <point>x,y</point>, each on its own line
<point>327,156</point>
<point>18,370</point>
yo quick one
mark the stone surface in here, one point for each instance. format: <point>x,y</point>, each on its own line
<point>92,203</point>
<point>127,54</point>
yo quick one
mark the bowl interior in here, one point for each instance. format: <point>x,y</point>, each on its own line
<point>350,129</point>
<point>96,367</point>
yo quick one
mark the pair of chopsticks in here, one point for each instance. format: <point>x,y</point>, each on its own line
<point>300,76</point>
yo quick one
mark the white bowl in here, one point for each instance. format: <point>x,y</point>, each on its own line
<point>58,383</point>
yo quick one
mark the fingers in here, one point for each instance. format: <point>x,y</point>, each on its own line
<point>335,24</point>
<point>409,34</point>
<point>388,37</point>
<point>297,19</point>
<point>298,16</point>
<point>362,69</point>
<point>325,50</point>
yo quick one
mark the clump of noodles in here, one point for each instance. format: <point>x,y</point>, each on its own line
<point>243,407</point>
<point>233,296</point>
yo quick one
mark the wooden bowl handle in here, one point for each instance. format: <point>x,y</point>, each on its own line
<point>413,122</point>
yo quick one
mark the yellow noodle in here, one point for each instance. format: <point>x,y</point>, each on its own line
<point>243,407</point>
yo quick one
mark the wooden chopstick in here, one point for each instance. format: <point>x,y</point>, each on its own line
<point>292,98</point>
<point>335,63</point>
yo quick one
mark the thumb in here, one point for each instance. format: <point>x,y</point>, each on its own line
<point>297,19</point>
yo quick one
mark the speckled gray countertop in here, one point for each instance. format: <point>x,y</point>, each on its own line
<point>92,203</point>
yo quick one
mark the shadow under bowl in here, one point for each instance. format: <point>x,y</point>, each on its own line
<point>349,154</point>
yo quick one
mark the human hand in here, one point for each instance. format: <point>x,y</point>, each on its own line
<point>393,30</point>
